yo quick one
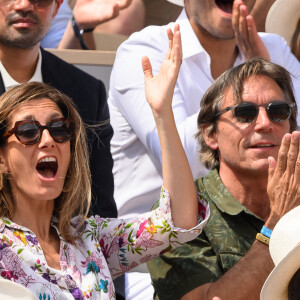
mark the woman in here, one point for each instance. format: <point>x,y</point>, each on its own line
<point>46,242</point>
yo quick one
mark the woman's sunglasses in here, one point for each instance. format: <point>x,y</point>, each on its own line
<point>246,112</point>
<point>30,132</point>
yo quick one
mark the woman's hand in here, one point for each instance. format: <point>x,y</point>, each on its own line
<point>159,89</point>
<point>177,177</point>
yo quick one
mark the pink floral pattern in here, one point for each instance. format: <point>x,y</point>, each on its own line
<point>107,249</point>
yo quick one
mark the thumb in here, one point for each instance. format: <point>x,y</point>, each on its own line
<point>147,68</point>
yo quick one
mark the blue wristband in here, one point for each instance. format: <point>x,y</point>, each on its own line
<point>266,231</point>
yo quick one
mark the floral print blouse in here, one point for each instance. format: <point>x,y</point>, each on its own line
<point>107,249</point>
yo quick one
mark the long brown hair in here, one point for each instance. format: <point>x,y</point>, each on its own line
<point>76,195</point>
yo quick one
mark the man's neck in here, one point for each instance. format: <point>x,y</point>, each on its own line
<point>19,63</point>
<point>249,189</point>
<point>222,52</point>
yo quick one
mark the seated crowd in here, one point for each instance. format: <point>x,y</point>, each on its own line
<point>201,114</point>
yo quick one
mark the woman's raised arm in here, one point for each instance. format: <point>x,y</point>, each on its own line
<point>177,177</point>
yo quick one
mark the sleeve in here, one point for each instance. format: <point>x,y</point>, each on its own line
<point>130,242</point>
<point>181,270</point>
<point>127,95</point>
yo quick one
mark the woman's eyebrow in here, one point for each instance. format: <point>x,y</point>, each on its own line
<point>33,118</point>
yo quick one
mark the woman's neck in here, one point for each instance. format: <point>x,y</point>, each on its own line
<point>34,215</point>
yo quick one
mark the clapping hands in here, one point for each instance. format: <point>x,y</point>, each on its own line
<point>246,34</point>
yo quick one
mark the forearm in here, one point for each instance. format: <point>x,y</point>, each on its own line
<point>70,41</point>
<point>177,177</point>
<point>243,281</point>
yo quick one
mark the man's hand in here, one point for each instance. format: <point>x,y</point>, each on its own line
<point>90,13</point>
<point>246,33</point>
<point>284,179</point>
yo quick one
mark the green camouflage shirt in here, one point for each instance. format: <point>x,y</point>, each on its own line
<point>226,238</point>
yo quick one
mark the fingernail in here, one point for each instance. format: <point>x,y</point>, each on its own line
<point>287,137</point>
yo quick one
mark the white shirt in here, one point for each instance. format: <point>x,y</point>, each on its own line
<point>9,82</point>
<point>135,145</point>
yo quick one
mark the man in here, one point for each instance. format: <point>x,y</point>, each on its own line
<point>216,35</point>
<point>23,23</point>
<point>244,117</point>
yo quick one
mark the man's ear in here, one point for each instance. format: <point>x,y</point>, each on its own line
<point>211,139</point>
<point>58,4</point>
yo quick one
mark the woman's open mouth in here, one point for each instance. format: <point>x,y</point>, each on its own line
<point>47,167</point>
<point>225,5</point>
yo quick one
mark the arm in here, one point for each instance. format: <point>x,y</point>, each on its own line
<point>177,177</point>
<point>89,14</point>
<point>129,107</point>
<point>246,33</point>
<point>156,232</point>
<point>255,266</point>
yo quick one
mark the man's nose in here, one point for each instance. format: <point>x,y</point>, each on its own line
<point>23,5</point>
<point>263,121</point>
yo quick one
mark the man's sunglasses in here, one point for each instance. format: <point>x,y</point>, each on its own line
<point>246,112</point>
<point>30,132</point>
<point>37,3</point>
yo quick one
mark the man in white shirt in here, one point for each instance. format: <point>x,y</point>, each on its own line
<point>216,35</point>
<point>209,48</point>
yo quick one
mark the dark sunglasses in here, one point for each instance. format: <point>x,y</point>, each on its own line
<point>246,112</point>
<point>37,3</point>
<point>30,132</point>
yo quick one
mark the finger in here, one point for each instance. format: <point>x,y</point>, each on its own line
<point>293,153</point>
<point>177,57</point>
<point>178,41</point>
<point>147,68</point>
<point>282,155</point>
<point>176,28</point>
<point>170,37</point>
<point>251,28</point>
<point>177,50</point>
<point>236,15</point>
<point>123,3</point>
<point>271,169</point>
<point>243,30</point>
<point>252,32</point>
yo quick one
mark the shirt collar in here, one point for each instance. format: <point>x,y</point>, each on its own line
<point>5,222</point>
<point>190,43</point>
<point>9,82</point>
<point>219,194</point>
